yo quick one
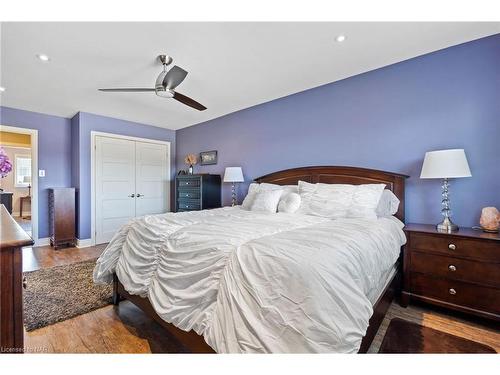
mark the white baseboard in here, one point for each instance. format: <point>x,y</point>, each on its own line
<point>79,243</point>
<point>42,242</point>
<point>84,243</point>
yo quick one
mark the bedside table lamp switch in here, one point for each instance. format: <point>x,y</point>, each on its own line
<point>445,164</point>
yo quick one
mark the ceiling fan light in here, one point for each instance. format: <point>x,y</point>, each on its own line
<point>164,93</point>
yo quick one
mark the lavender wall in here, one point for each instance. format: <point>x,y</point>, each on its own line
<point>54,154</point>
<point>64,153</point>
<point>384,119</point>
<point>83,123</point>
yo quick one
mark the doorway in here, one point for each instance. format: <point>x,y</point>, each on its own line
<point>19,182</point>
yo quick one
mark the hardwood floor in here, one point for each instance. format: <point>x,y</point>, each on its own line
<point>126,329</point>
<point>35,258</point>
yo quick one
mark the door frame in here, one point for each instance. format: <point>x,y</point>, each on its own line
<point>34,179</point>
<point>93,136</point>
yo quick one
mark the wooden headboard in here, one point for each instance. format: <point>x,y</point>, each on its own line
<point>342,175</point>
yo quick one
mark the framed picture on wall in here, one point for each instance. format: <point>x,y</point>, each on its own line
<point>208,157</point>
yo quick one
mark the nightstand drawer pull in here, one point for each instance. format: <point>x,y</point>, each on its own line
<point>452,246</point>
<point>452,291</point>
<point>452,268</point>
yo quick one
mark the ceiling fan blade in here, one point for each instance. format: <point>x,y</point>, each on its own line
<point>188,101</point>
<point>127,90</point>
<point>174,77</point>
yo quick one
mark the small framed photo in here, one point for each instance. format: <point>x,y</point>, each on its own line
<point>208,157</point>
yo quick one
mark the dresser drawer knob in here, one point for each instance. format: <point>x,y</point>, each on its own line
<point>452,291</point>
<point>452,268</point>
<point>452,246</point>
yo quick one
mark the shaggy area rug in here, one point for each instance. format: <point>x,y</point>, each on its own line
<point>59,293</point>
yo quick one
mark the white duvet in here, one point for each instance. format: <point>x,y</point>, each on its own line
<point>257,282</point>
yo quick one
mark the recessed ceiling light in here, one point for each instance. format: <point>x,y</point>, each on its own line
<point>43,57</point>
<point>340,38</point>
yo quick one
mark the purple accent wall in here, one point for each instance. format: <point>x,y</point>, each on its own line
<point>384,119</point>
<point>82,125</point>
<point>54,154</point>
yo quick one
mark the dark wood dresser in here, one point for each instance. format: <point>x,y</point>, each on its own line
<point>12,239</point>
<point>459,270</point>
<point>6,200</point>
<point>197,192</point>
<point>62,216</point>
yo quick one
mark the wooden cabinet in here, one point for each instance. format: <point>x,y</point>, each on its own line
<point>62,217</point>
<point>12,239</point>
<point>6,200</point>
<point>197,192</point>
<point>459,270</point>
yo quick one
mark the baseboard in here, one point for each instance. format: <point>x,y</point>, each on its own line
<point>83,243</point>
<point>42,242</point>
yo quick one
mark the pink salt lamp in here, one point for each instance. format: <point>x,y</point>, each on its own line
<point>490,218</point>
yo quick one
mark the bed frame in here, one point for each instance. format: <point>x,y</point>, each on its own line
<point>395,182</point>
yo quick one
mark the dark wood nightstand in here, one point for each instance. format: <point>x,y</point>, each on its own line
<point>459,270</point>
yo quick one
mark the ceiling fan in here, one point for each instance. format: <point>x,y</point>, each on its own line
<point>165,84</point>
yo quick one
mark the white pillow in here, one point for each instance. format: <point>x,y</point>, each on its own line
<point>286,188</point>
<point>340,200</point>
<point>266,200</point>
<point>289,202</point>
<point>322,202</point>
<point>388,204</point>
<point>252,190</point>
<point>255,187</point>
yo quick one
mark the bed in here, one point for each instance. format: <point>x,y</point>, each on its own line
<point>229,280</point>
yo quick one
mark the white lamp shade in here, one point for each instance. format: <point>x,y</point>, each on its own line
<point>233,174</point>
<point>27,179</point>
<point>445,164</point>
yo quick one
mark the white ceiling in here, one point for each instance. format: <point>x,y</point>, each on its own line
<point>231,65</point>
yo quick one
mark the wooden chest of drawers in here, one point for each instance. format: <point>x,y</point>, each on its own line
<point>459,270</point>
<point>197,192</point>
<point>62,217</point>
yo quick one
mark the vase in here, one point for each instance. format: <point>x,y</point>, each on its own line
<point>190,169</point>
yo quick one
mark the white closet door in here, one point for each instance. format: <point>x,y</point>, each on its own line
<point>151,184</point>
<point>115,185</point>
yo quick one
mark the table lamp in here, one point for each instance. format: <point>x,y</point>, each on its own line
<point>445,164</point>
<point>233,174</point>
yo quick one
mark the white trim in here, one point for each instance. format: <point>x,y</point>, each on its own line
<point>93,135</point>
<point>42,242</point>
<point>83,243</point>
<point>34,176</point>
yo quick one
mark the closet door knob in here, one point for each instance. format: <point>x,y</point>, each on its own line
<point>131,195</point>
